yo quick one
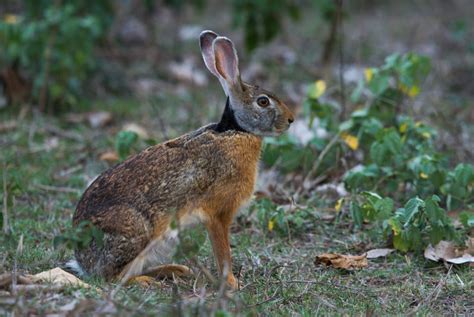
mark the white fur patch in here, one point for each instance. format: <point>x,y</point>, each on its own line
<point>76,268</point>
<point>160,250</point>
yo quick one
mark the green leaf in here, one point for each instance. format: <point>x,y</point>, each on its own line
<point>464,174</point>
<point>379,83</point>
<point>124,142</point>
<point>412,207</point>
<point>467,219</point>
<point>384,208</point>
<point>400,242</point>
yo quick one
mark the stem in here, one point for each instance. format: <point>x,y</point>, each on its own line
<point>6,228</point>
<point>341,58</point>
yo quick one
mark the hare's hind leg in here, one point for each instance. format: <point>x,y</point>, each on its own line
<point>154,260</point>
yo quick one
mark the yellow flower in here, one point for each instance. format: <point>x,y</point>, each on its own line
<point>426,135</point>
<point>403,128</point>
<point>10,19</point>
<point>423,175</point>
<point>350,140</point>
<point>338,205</point>
<point>395,228</point>
<point>271,224</point>
<point>411,92</point>
<point>369,73</point>
<point>414,91</point>
<point>318,89</point>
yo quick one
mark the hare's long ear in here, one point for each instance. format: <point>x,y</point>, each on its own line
<point>205,42</point>
<point>227,62</point>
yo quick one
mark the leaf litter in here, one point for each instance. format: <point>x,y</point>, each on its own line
<point>450,253</point>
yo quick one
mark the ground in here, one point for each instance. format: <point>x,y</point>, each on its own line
<point>277,272</point>
<point>47,162</point>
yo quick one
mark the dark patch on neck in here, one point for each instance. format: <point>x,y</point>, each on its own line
<point>228,121</point>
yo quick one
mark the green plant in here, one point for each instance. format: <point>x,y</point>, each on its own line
<point>124,142</point>
<point>53,43</point>
<point>80,236</point>
<point>262,19</point>
<point>411,227</point>
<point>273,218</point>
<point>397,157</point>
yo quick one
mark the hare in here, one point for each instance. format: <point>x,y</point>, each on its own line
<point>203,176</point>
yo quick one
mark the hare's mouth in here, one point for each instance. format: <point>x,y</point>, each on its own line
<point>279,130</point>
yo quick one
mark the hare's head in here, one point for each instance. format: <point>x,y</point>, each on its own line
<point>256,110</point>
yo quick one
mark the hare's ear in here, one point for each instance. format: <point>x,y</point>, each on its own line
<point>205,42</point>
<point>226,61</point>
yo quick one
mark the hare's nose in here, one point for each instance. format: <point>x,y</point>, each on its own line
<point>290,120</point>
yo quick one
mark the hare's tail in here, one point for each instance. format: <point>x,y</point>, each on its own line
<point>74,267</point>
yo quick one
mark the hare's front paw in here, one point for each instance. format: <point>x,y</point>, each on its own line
<point>233,282</point>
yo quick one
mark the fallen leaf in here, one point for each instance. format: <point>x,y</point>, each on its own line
<point>109,157</point>
<point>378,253</point>
<point>188,72</point>
<point>7,126</point>
<point>139,130</point>
<point>342,261</point>
<point>58,277</point>
<point>447,251</point>
<point>465,258</point>
<point>99,119</point>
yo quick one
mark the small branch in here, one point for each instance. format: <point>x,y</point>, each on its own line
<point>339,4</point>
<point>6,227</point>
<point>433,295</point>
<point>56,189</point>
<point>47,61</point>
<point>315,168</point>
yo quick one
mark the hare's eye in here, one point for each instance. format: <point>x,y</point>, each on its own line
<point>263,101</point>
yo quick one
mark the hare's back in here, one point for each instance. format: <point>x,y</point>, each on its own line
<point>163,178</point>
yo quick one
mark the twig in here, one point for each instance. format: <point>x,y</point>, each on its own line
<point>204,270</point>
<point>37,287</point>
<point>315,168</point>
<point>47,63</point>
<point>433,295</point>
<point>6,228</point>
<point>57,189</point>
<point>339,4</point>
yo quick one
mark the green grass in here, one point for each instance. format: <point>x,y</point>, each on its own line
<point>278,274</point>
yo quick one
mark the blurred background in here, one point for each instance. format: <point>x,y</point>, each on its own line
<point>386,85</point>
<point>59,56</point>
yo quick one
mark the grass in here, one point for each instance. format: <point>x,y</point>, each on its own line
<point>49,163</point>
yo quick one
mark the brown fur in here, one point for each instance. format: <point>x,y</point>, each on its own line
<point>205,175</point>
<point>134,202</point>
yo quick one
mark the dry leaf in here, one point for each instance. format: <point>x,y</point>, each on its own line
<point>7,126</point>
<point>447,251</point>
<point>139,130</point>
<point>99,119</point>
<point>59,277</point>
<point>109,157</point>
<point>188,72</point>
<point>378,253</point>
<point>342,261</point>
